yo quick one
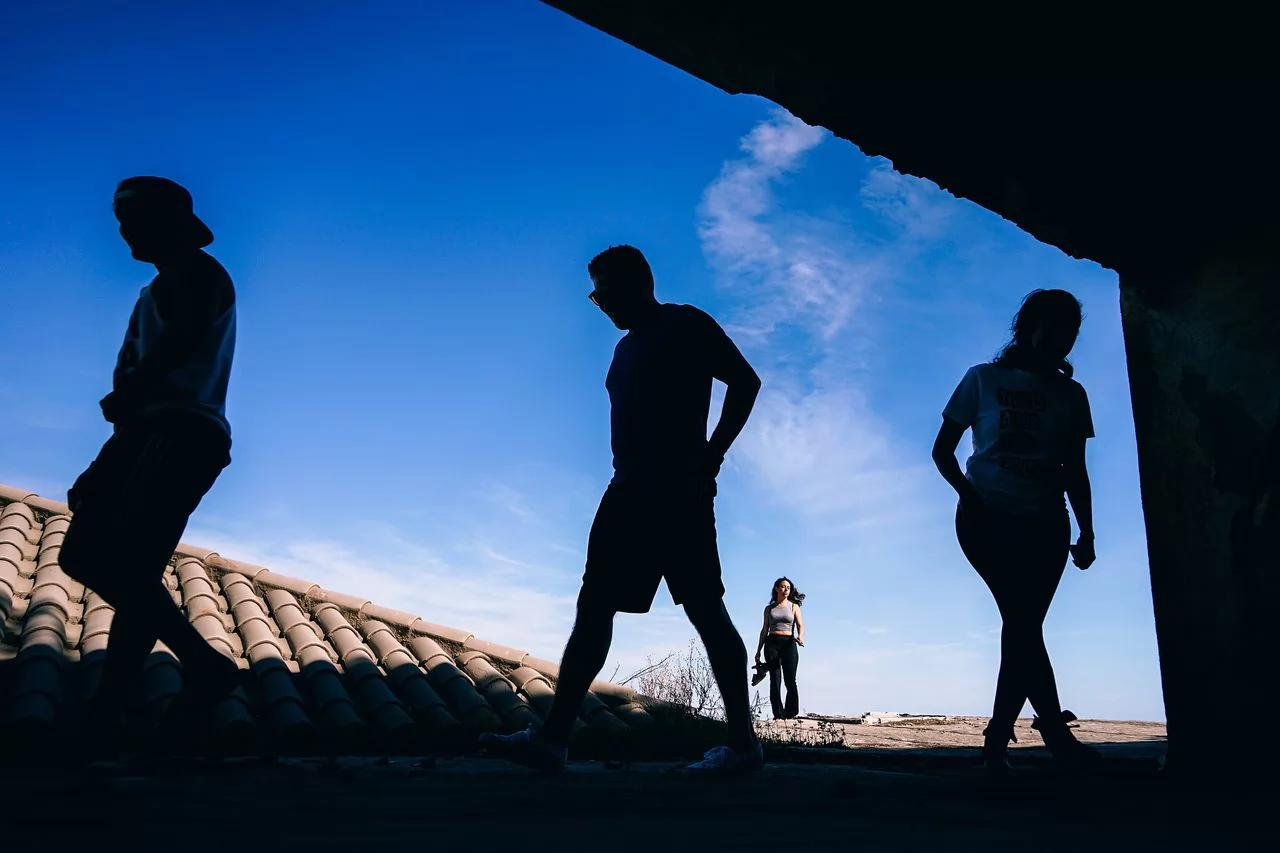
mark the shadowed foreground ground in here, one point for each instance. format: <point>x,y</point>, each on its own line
<point>912,800</point>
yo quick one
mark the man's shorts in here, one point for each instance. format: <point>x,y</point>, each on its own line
<point>131,506</point>
<point>642,534</point>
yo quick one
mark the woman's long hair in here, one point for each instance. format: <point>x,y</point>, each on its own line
<point>1039,308</point>
<point>796,596</point>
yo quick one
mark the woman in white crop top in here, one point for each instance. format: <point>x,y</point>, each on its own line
<point>1029,420</point>
<point>780,637</point>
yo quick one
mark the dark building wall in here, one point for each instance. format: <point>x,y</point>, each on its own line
<point>1203,346</point>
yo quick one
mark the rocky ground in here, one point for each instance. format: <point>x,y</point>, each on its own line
<point>884,731</point>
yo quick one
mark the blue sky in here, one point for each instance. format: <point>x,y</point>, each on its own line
<point>407,195</point>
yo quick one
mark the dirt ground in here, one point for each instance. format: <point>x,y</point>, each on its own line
<point>918,732</point>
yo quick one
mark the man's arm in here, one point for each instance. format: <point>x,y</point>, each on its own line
<point>189,302</point>
<point>732,368</point>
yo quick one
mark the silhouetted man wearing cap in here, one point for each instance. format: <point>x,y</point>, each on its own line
<point>169,442</point>
<point>657,518</point>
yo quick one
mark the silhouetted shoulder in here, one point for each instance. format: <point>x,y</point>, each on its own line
<point>195,291</point>
<point>1083,415</point>
<point>694,319</point>
<point>685,313</point>
<point>962,406</point>
<point>206,270</point>
<point>205,274</point>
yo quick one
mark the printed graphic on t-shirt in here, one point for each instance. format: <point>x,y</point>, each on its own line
<point>1020,446</point>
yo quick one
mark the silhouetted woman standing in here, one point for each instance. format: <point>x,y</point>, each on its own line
<point>1030,421</point>
<point>780,637</point>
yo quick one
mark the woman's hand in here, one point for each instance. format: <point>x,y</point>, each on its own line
<point>971,504</point>
<point>799,642</point>
<point>757,656</point>
<point>1082,553</point>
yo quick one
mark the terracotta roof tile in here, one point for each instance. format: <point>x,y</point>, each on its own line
<point>505,654</point>
<point>454,687</point>
<point>397,618</point>
<point>324,669</point>
<point>510,707</point>
<point>407,678</point>
<point>443,632</point>
<point>269,578</point>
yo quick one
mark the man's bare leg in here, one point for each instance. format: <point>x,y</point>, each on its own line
<point>728,658</point>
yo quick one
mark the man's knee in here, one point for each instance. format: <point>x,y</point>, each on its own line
<point>1022,626</point>
<point>593,615</point>
<point>707,612</point>
<point>718,634</point>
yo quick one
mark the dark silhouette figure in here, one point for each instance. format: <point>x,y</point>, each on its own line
<point>1030,421</point>
<point>656,519</point>
<point>169,442</point>
<point>781,635</point>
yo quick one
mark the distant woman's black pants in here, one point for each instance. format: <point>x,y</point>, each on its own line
<point>782,656</point>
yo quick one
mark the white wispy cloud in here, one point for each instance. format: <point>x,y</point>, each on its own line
<point>484,594</point>
<point>513,501</point>
<point>813,440</point>
<point>918,208</point>
<point>782,269</point>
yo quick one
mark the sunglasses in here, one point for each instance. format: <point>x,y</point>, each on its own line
<point>600,300</point>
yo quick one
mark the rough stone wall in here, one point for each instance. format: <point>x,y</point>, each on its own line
<point>1203,349</point>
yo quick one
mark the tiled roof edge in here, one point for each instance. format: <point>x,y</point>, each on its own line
<point>11,494</point>
<point>361,607</point>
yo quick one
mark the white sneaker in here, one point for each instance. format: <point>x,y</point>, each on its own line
<point>527,748</point>
<point>724,759</point>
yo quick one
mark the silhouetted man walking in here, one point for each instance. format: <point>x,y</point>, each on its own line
<point>169,442</point>
<point>656,518</point>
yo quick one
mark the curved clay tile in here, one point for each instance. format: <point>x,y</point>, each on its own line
<point>324,669</point>
<point>331,706</point>
<point>407,677</point>
<point>454,686</point>
<point>515,712</point>
<point>374,699</point>
<point>278,699</point>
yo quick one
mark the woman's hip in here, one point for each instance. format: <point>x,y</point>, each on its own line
<point>992,538</point>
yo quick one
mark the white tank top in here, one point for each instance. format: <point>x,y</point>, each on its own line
<point>200,385</point>
<point>782,618</point>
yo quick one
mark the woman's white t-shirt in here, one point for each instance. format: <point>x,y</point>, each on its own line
<point>1023,426</point>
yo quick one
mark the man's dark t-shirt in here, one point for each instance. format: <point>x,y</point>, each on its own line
<point>660,394</point>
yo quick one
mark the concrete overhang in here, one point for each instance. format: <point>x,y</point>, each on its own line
<point>1130,173</point>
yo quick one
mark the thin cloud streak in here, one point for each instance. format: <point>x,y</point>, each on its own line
<point>814,442</point>
<point>489,600</point>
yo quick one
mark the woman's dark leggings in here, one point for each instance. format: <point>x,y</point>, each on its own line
<point>782,653</point>
<point>1021,560</point>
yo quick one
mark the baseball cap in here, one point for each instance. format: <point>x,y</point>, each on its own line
<point>167,199</point>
